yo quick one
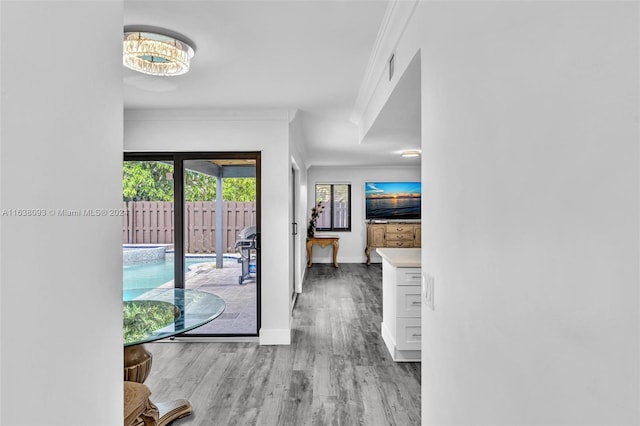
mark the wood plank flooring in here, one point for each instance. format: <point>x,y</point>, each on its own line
<point>337,371</point>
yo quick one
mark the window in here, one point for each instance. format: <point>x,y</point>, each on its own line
<point>336,202</point>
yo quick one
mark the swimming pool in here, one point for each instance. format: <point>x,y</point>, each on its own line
<point>150,274</point>
<point>154,274</point>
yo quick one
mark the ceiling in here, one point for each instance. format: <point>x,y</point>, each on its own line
<point>304,55</point>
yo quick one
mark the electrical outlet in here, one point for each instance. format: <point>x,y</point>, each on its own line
<point>427,289</point>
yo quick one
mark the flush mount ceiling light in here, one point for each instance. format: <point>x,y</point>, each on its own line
<point>155,54</point>
<point>411,153</point>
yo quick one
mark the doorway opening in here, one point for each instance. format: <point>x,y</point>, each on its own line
<point>199,214</point>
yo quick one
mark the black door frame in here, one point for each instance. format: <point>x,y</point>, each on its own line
<point>178,159</point>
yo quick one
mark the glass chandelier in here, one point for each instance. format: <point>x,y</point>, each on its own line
<point>155,54</point>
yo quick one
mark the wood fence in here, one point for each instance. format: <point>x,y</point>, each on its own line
<point>151,222</point>
<point>340,215</point>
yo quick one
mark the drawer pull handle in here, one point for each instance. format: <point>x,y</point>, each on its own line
<point>416,335</point>
<point>416,303</point>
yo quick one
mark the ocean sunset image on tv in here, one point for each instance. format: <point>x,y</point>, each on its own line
<point>392,200</point>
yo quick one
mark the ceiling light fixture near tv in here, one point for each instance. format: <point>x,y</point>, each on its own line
<point>393,200</point>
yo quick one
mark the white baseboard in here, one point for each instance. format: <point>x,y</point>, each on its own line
<point>303,276</point>
<point>275,336</point>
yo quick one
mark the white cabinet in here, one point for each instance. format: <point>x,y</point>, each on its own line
<point>401,303</point>
<point>408,302</point>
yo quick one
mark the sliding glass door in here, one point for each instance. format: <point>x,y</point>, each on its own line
<point>202,211</point>
<point>147,229</point>
<point>221,239</point>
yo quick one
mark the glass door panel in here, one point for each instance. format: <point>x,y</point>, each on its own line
<point>147,228</point>
<point>221,253</point>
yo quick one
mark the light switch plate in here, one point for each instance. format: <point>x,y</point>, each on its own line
<point>427,289</point>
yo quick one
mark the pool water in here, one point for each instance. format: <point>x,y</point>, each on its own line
<point>154,274</point>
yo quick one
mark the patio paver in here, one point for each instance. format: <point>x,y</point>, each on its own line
<point>240,315</point>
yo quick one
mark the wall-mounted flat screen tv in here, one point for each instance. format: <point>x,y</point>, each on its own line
<point>392,200</point>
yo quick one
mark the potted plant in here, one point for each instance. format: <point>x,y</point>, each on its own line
<point>315,212</point>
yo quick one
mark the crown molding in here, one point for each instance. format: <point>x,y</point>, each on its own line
<point>293,113</point>
<point>394,23</point>
<point>207,114</point>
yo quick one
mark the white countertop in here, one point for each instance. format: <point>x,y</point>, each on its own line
<point>401,257</point>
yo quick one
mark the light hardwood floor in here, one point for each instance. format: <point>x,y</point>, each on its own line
<point>337,371</point>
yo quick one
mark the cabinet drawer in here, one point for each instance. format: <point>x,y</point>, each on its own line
<point>407,236</point>
<point>408,276</point>
<point>405,243</point>
<point>399,228</point>
<point>409,334</point>
<point>408,301</point>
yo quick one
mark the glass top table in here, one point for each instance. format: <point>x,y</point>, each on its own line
<point>157,313</point>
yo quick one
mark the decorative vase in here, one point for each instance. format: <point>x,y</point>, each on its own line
<point>315,212</point>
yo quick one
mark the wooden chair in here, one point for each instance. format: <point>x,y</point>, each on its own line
<point>138,409</point>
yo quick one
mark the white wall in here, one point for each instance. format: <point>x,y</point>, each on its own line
<point>225,131</point>
<point>61,277</point>
<point>530,221</point>
<point>352,244</point>
<point>296,146</point>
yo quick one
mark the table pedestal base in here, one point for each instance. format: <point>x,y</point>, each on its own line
<point>137,365</point>
<point>173,410</point>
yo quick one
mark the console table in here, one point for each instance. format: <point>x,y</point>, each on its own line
<point>322,241</point>
<point>392,234</point>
